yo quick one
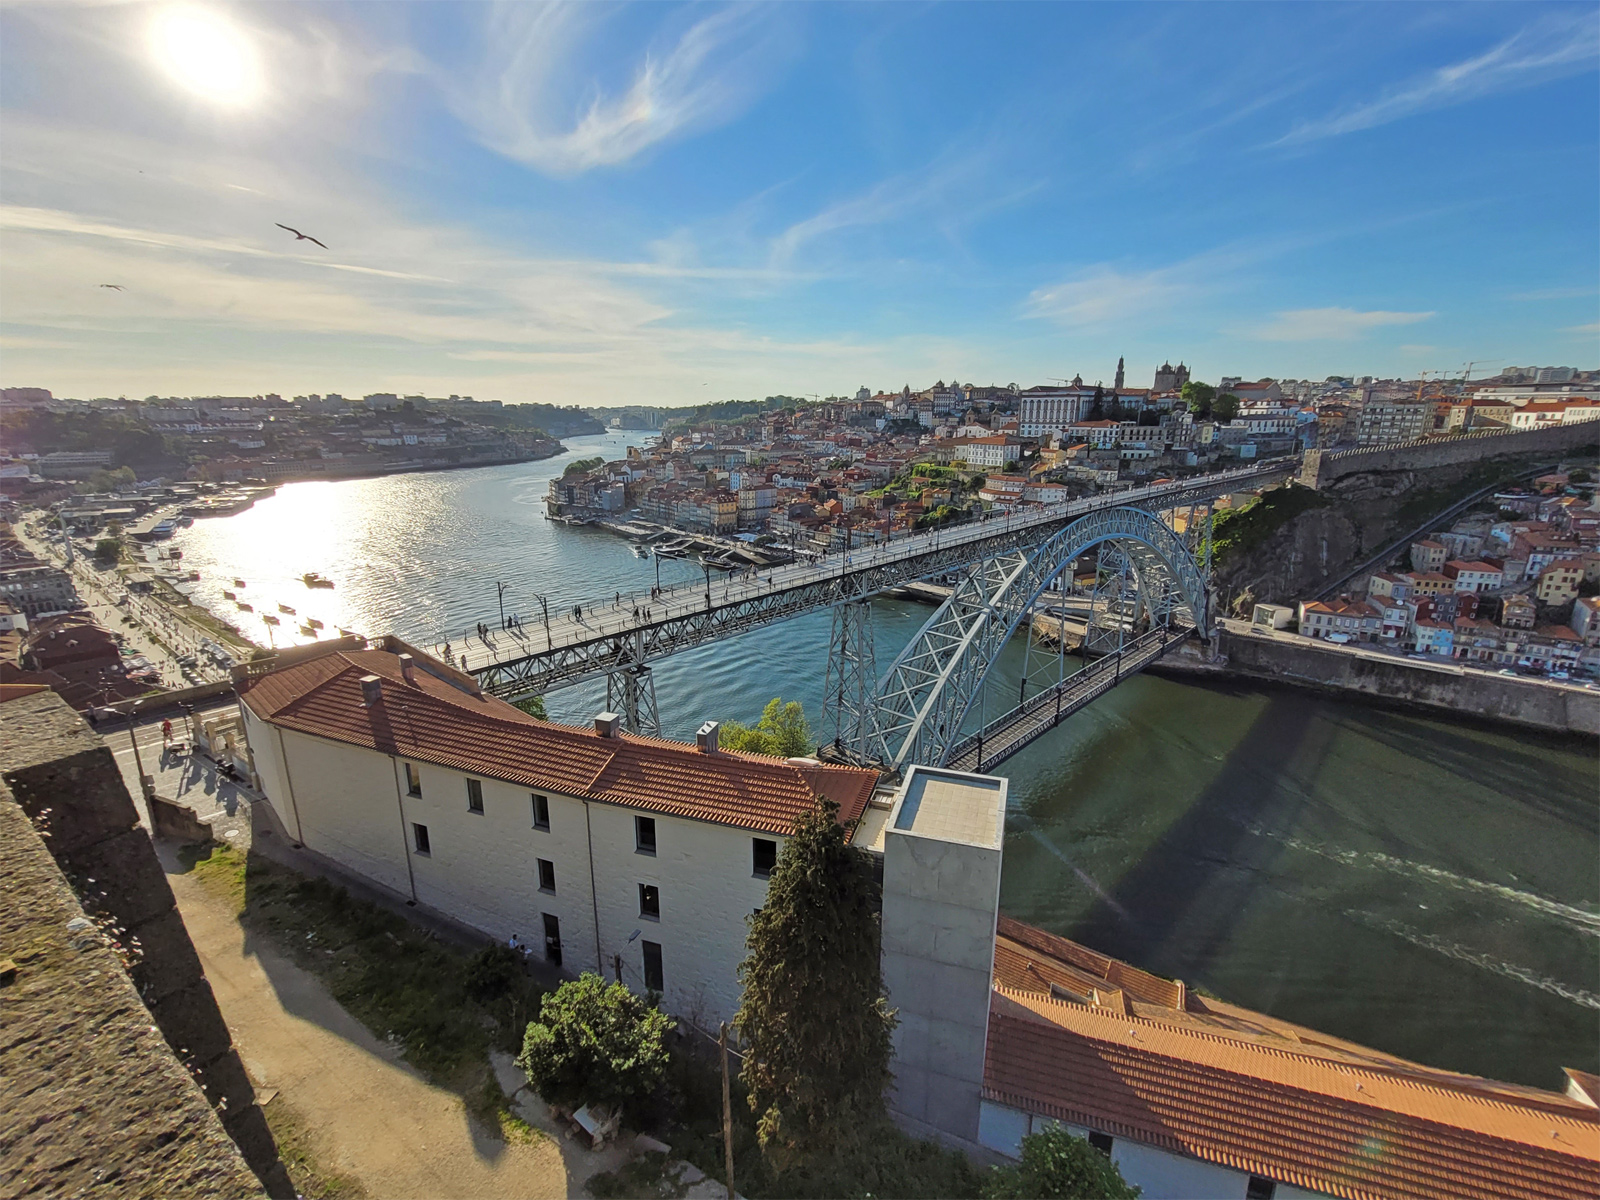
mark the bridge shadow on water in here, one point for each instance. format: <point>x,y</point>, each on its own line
<point>1176,909</point>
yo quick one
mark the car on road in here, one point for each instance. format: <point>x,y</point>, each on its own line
<point>1505,671</point>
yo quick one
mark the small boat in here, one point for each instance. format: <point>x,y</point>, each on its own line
<point>640,552</point>
<point>314,623</point>
<point>243,607</point>
<point>308,631</point>
<point>343,632</point>
<point>284,608</point>
<point>271,620</point>
<point>314,580</point>
<point>229,596</point>
<point>239,583</point>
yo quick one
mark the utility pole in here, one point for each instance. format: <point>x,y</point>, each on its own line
<point>727,1114</point>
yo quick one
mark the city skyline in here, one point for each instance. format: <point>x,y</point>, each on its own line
<point>668,205</point>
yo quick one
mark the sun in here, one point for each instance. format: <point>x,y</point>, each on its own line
<point>206,53</point>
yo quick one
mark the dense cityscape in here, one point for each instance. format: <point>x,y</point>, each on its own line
<point>656,743</point>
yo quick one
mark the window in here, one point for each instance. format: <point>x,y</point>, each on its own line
<point>650,901</point>
<point>644,835</point>
<point>419,836</point>
<point>413,780</point>
<point>1101,1142</point>
<point>541,813</point>
<point>763,857</point>
<point>652,966</point>
<point>1259,1188</point>
<point>547,875</point>
<point>475,795</point>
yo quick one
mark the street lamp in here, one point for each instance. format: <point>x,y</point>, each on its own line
<point>706,567</point>
<point>545,605</point>
<point>500,597</point>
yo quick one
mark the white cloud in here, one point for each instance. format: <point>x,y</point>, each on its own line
<point>1593,328</point>
<point>1102,295</point>
<point>522,100</point>
<point>1548,49</point>
<point>1330,324</point>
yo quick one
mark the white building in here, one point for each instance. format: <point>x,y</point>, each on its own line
<point>601,848</point>
<point>989,453</point>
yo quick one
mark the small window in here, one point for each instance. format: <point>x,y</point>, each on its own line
<point>475,795</point>
<point>653,979</point>
<point>1259,1188</point>
<point>413,780</point>
<point>650,901</point>
<point>763,857</point>
<point>419,836</point>
<point>644,835</point>
<point>1101,1142</point>
<point>547,875</point>
<point>541,813</point>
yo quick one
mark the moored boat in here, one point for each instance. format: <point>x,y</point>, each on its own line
<point>313,580</point>
<point>229,596</point>
<point>284,608</point>
<point>314,623</point>
<point>243,607</point>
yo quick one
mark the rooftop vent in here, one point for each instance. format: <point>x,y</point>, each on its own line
<point>608,725</point>
<point>706,737</point>
<point>406,664</point>
<point>371,690</point>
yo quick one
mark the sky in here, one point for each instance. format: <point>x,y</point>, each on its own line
<point>663,204</point>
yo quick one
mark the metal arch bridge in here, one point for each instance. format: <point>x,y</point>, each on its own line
<point>1007,561</point>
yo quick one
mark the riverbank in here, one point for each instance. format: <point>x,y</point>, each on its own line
<point>332,469</point>
<point>1444,687</point>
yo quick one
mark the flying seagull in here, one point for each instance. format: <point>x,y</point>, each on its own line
<point>299,237</point>
<point>116,286</point>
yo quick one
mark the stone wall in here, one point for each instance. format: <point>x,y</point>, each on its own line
<point>1443,686</point>
<point>65,782</point>
<point>1322,467</point>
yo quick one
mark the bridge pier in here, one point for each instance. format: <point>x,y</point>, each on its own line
<point>851,681</point>
<point>631,693</point>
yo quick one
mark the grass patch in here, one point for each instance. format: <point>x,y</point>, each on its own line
<point>1235,532</point>
<point>491,1107</point>
<point>311,1180</point>
<point>401,982</point>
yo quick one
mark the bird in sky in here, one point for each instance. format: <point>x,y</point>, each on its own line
<point>299,237</point>
<point>114,286</point>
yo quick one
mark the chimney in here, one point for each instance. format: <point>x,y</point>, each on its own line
<point>371,690</point>
<point>406,662</point>
<point>608,725</point>
<point>706,737</point>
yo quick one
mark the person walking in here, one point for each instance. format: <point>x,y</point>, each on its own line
<point>166,732</point>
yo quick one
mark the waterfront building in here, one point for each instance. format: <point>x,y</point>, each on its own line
<point>1473,576</point>
<point>607,851</point>
<point>1342,620</point>
<point>1433,637</point>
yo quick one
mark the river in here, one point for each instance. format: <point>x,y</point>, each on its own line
<point>1422,886</point>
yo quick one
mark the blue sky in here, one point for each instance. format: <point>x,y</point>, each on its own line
<point>604,204</point>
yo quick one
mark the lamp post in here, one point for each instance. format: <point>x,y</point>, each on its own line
<point>544,604</point>
<point>500,597</point>
<point>706,567</point>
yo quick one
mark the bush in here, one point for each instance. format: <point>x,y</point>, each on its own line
<point>493,972</point>
<point>108,549</point>
<point>596,1044</point>
<point>1058,1166</point>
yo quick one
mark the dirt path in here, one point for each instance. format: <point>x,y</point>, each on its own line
<point>370,1116</point>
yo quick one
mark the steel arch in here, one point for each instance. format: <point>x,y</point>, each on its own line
<point>923,699</point>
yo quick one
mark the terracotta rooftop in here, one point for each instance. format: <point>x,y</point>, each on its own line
<point>1141,1057</point>
<point>432,720</point>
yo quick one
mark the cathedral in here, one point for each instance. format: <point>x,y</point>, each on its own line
<point>1170,378</point>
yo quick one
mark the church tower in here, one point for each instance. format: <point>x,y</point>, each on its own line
<point>1118,384</point>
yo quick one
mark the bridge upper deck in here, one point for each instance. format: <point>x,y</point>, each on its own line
<point>581,640</point>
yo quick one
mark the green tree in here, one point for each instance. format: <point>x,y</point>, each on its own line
<point>813,1014</point>
<point>1225,407</point>
<point>533,706</point>
<point>108,549</point>
<point>596,1044</point>
<point>1057,1166</point>
<point>782,731</point>
<point>1199,397</point>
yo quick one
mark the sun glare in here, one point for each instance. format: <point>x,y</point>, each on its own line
<point>206,53</point>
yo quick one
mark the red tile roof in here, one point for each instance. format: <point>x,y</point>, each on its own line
<point>431,720</point>
<point>1146,1060</point>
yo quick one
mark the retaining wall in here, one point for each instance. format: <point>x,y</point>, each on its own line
<point>1322,467</point>
<point>1443,687</point>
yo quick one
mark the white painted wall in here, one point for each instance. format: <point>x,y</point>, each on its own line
<point>482,868</point>
<point>1159,1173</point>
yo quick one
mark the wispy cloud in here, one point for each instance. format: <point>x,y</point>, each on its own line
<point>520,101</point>
<point>1590,329</point>
<point>1548,49</point>
<point>1558,293</point>
<point>1330,324</point>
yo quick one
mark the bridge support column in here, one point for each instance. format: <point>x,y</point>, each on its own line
<point>631,693</point>
<point>851,680</point>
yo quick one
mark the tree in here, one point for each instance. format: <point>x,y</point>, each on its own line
<point>108,549</point>
<point>1225,407</point>
<point>813,1015</point>
<point>1057,1166</point>
<point>782,731</point>
<point>595,1044</point>
<point>533,706</point>
<point>1199,397</point>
